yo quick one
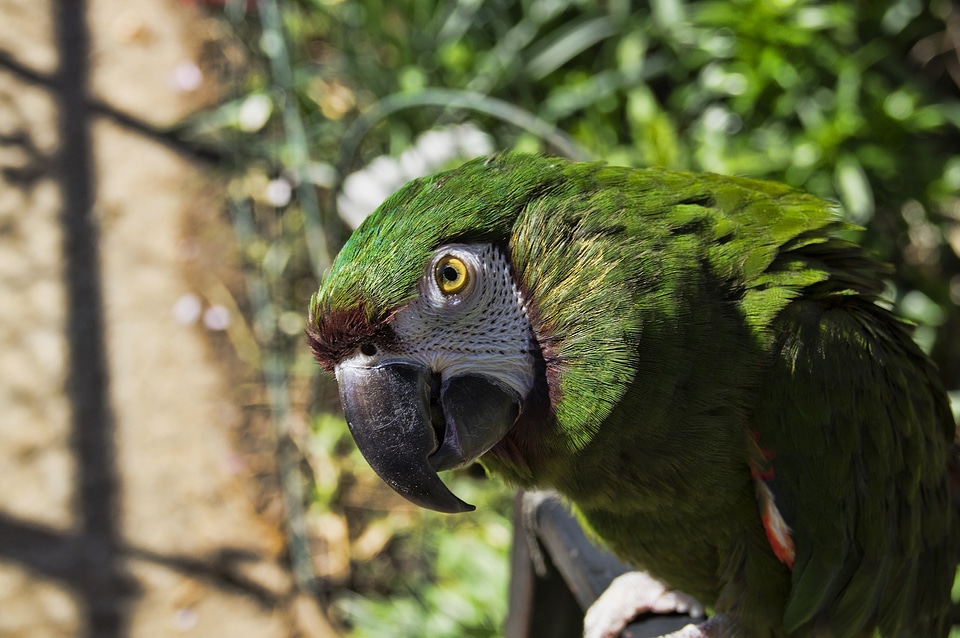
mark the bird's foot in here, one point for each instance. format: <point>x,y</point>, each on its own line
<point>631,595</point>
<point>716,627</point>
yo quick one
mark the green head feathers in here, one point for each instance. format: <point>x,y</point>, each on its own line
<point>478,202</point>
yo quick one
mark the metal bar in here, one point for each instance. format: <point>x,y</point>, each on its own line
<point>583,569</point>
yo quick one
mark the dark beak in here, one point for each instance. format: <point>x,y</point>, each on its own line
<point>389,410</point>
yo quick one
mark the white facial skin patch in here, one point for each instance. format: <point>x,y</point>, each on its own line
<point>482,328</point>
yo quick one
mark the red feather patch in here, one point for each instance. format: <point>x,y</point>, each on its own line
<point>778,532</point>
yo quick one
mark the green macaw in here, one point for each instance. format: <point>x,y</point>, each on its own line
<point>697,363</point>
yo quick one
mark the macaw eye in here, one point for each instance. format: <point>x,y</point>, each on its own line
<point>452,276</point>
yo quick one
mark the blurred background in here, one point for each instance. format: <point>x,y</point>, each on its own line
<point>175,176</point>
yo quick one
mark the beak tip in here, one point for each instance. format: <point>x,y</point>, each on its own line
<point>438,498</point>
<point>462,508</point>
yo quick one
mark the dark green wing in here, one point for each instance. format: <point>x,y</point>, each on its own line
<point>861,430</point>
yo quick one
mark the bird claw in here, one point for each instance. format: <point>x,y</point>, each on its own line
<point>633,594</point>
<point>716,627</point>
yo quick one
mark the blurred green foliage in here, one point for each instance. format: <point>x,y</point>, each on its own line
<point>457,585</point>
<point>855,101</point>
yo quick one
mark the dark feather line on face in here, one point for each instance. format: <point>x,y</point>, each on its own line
<point>545,343</point>
<point>524,446</point>
<point>336,335</point>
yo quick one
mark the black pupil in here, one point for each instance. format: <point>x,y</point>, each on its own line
<point>368,349</point>
<point>450,273</point>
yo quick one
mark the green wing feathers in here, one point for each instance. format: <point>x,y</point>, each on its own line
<point>853,413</point>
<point>861,432</point>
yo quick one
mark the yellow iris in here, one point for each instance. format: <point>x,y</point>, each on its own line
<point>452,276</point>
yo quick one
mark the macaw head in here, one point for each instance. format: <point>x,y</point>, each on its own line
<point>426,327</point>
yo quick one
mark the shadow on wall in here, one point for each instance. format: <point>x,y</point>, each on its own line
<point>89,560</point>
